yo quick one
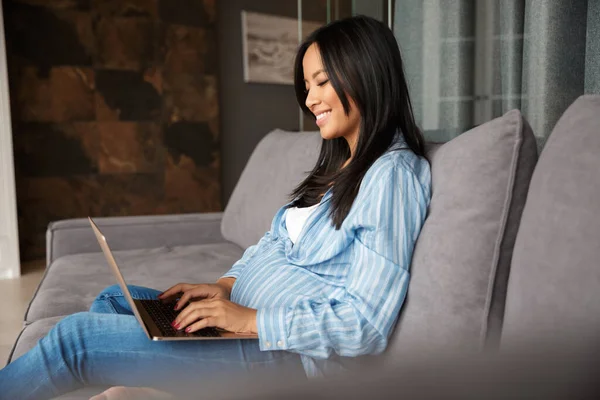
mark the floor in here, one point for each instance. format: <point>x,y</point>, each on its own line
<point>15,295</point>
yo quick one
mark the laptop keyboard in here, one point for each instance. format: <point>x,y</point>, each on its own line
<point>163,314</point>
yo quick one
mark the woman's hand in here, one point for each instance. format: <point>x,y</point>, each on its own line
<point>219,290</point>
<point>218,313</point>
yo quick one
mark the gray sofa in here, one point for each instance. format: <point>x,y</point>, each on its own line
<point>508,254</point>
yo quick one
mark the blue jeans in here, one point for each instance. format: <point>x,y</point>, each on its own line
<point>107,346</point>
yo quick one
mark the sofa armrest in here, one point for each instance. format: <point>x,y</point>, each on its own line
<point>73,236</point>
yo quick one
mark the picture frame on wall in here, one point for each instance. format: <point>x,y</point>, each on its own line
<point>269,46</point>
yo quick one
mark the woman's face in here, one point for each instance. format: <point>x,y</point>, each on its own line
<point>324,103</point>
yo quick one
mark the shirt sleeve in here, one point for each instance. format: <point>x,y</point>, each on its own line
<point>386,218</point>
<point>238,266</point>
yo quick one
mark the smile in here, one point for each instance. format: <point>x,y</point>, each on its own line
<point>323,115</point>
<point>322,118</point>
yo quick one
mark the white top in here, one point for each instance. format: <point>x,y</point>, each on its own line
<point>295,218</point>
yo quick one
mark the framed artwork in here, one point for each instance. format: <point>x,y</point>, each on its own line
<point>269,46</point>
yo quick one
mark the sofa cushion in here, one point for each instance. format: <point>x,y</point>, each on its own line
<point>72,282</point>
<point>461,260</point>
<point>554,286</point>
<point>280,161</point>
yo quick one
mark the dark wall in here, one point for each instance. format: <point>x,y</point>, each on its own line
<point>251,110</point>
<point>114,110</point>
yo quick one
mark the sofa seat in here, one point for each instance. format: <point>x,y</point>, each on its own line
<point>160,268</point>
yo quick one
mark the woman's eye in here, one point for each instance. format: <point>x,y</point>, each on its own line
<point>322,83</point>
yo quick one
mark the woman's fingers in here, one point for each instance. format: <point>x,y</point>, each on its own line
<point>219,313</point>
<point>191,318</point>
<point>171,291</point>
<point>174,290</point>
<point>193,312</point>
<point>203,323</point>
<point>198,291</point>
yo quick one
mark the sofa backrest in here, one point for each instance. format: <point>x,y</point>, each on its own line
<point>460,265</point>
<point>277,165</point>
<point>554,285</point>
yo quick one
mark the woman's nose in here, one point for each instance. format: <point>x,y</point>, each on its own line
<point>311,100</point>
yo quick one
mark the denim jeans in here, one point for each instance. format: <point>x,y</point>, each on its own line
<point>106,346</point>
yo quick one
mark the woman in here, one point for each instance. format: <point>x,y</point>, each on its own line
<point>329,277</point>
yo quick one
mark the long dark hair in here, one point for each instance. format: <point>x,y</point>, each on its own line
<point>362,61</point>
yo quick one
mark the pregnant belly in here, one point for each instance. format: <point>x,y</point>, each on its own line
<point>272,284</point>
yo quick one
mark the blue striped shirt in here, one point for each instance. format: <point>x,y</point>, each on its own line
<point>338,292</point>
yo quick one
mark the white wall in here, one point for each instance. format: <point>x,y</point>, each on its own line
<point>9,238</point>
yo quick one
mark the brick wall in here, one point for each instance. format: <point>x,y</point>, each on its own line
<point>114,109</point>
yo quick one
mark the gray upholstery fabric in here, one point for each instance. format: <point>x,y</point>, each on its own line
<point>75,236</point>
<point>554,286</point>
<point>72,282</point>
<point>278,164</point>
<point>461,261</point>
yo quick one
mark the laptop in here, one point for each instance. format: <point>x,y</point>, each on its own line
<point>154,316</point>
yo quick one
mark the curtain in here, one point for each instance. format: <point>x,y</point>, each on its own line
<point>469,61</point>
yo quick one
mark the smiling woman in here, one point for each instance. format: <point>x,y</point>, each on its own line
<point>349,76</point>
<point>329,278</point>
<point>325,104</point>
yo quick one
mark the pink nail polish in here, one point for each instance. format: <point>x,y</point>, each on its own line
<point>188,329</point>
